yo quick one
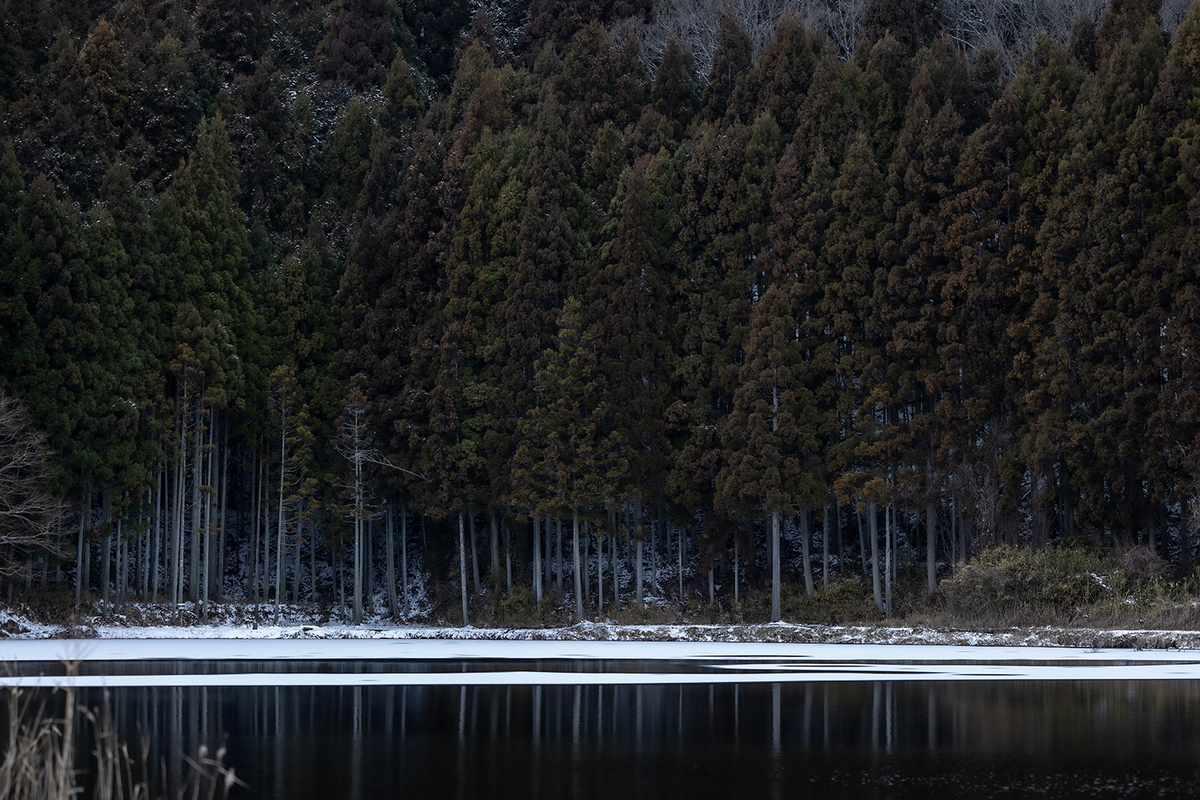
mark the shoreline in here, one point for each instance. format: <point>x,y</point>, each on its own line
<point>296,625</point>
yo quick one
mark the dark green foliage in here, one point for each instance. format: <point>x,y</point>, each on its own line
<point>783,72</point>
<point>911,23</point>
<point>731,63</point>
<point>435,25</point>
<point>567,279</point>
<point>359,44</point>
<point>674,92</point>
<point>232,29</point>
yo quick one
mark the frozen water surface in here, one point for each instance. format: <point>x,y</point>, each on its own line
<point>315,718</point>
<point>265,662</point>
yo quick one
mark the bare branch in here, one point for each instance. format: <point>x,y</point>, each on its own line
<point>31,517</point>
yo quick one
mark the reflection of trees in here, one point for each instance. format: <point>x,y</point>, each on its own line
<point>556,741</point>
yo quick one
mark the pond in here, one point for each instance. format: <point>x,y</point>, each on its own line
<point>751,723</point>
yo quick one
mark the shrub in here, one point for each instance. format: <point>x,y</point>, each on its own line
<point>518,608</point>
<point>1010,584</point>
<point>845,601</point>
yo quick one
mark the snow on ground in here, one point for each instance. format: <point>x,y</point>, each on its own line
<point>254,622</point>
<point>405,662</point>
<point>778,652</point>
<point>770,655</point>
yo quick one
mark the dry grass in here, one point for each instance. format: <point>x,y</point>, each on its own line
<point>40,755</point>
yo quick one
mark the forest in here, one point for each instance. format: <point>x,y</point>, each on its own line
<point>371,300</point>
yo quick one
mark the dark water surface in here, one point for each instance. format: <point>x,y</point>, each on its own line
<point>851,739</point>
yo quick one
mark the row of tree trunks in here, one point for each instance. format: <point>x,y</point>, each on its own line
<point>143,554</point>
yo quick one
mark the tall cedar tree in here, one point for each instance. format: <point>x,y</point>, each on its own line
<point>547,265</point>
<point>628,321</point>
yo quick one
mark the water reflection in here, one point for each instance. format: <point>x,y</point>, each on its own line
<point>870,739</point>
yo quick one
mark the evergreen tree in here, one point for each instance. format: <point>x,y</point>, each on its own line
<point>731,63</point>
<point>359,43</point>
<point>105,88</point>
<point>563,464</point>
<point>674,93</point>
<point>784,71</point>
<point>771,438</point>
<point>628,321</point>
<point>547,265</point>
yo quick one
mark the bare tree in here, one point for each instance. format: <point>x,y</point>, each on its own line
<point>355,443</point>
<point>1008,26</point>
<point>31,517</point>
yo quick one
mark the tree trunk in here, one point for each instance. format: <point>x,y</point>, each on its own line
<point>508,558</point>
<point>122,565</point>
<point>495,525</point>
<point>736,599</point>
<point>471,537</point>
<point>547,555</point>
<point>654,533</point>
<point>575,564</point>
<point>279,527</point>
<point>931,545</point>
<point>255,482</point>
<point>176,554</point>
<point>106,552</point>
<point>462,565</point>
<point>206,571</point>
<point>806,552</point>
<point>356,588</point>
<point>637,558</point>
<point>584,566</point>
<point>156,538</point>
<point>679,541</point>
<point>537,563</point>
<point>85,511</point>
<point>558,550</point>
<point>368,570</point>
<point>224,519</point>
<point>873,532</point>
<point>837,530</point>
<point>887,559</point>
<point>390,554</point>
<point>776,612</point>
<point>197,473</point>
<point>600,577</point>
<point>616,573</point>
<point>339,564</point>
<point>862,541</point>
<point>404,556</point>
<point>298,549</point>
<point>312,563</point>
<point>825,548</point>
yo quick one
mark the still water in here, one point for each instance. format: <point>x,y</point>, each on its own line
<point>863,738</point>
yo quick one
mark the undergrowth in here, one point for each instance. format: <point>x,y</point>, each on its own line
<point>1061,586</point>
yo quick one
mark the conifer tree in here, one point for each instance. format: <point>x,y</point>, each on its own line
<point>731,63</point>
<point>975,289</point>
<point>771,437</point>
<point>546,266</point>
<point>674,93</point>
<point>564,463</point>
<point>359,43</point>
<point>784,71</point>
<point>105,87</point>
<point>628,321</point>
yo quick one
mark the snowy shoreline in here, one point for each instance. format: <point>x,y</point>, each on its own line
<point>14,626</point>
<point>415,661</point>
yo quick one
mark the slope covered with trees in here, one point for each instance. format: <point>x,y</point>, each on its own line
<point>575,299</point>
